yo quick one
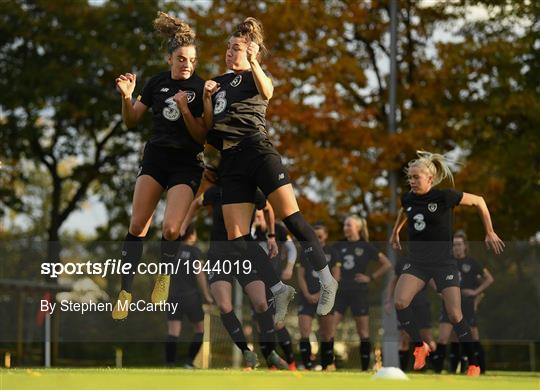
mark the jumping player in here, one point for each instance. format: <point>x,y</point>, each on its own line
<point>234,111</point>
<point>171,157</point>
<point>428,213</point>
<point>355,253</point>
<point>185,290</point>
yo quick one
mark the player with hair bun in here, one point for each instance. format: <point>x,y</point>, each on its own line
<point>171,160</point>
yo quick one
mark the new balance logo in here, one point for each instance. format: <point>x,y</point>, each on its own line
<point>281,176</point>
<point>308,249</point>
<point>450,277</point>
<point>164,89</point>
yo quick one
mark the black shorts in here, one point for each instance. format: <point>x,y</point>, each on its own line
<point>250,165</point>
<point>445,275</point>
<point>171,167</point>
<point>467,308</point>
<point>356,298</point>
<point>189,305</point>
<point>305,308</point>
<point>216,255</point>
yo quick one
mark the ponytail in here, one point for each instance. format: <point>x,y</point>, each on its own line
<point>252,29</point>
<point>176,32</point>
<point>435,164</point>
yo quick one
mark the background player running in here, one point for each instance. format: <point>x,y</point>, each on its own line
<point>267,233</point>
<point>428,212</point>
<point>171,157</point>
<point>354,254</point>
<point>474,280</point>
<point>185,290</point>
<point>234,111</point>
<point>308,282</point>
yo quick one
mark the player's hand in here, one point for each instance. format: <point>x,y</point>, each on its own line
<point>394,241</point>
<point>313,299</point>
<point>468,292</point>
<point>210,88</point>
<point>360,277</point>
<point>494,242</point>
<point>287,273</point>
<point>181,100</point>
<point>252,51</point>
<point>125,84</point>
<point>272,247</point>
<point>209,299</point>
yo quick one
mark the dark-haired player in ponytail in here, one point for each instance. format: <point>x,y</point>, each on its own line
<point>171,160</point>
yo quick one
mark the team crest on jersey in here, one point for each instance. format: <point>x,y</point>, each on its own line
<point>221,102</point>
<point>466,268</point>
<point>432,207</point>
<point>190,96</point>
<point>314,274</point>
<point>406,266</point>
<point>409,208</point>
<point>236,81</point>
<point>358,251</point>
<point>343,250</point>
<point>328,257</point>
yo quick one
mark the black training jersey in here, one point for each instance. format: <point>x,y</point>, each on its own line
<point>471,272</point>
<point>354,257</point>
<point>312,276</point>
<point>169,127</point>
<point>429,224</point>
<point>239,109</point>
<point>185,281</point>
<point>213,197</point>
<point>422,296</point>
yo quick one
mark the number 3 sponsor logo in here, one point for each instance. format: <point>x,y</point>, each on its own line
<point>171,111</point>
<point>419,223</point>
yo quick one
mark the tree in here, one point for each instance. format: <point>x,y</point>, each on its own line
<point>60,113</point>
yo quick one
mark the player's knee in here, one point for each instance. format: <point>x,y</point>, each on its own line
<point>199,327</point>
<point>137,227</point>
<point>225,307</point>
<point>401,303</point>
<point>171,231</point>
<point>260,306</point>
<point>455,316</point>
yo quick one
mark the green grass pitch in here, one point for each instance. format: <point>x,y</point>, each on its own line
<point>259,379</point>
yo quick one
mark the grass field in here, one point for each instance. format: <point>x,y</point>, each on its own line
<point>260,379</point>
